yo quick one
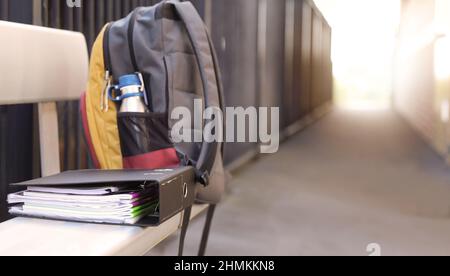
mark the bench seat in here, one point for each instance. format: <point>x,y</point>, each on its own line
<point>38,237</point>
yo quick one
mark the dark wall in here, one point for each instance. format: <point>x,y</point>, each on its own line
<point>234,33</point>
<point>16,122</point>
<point>316,69</point>
<point>307,63</point>
<point>327,66</point>
<point>271,63</point>
<point>303,59</point>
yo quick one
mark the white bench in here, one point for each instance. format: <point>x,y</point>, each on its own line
<point>43,65</point>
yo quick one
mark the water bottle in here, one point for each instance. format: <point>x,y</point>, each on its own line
<point>132,94</point>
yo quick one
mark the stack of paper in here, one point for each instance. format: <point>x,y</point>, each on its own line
<point>94,204</point>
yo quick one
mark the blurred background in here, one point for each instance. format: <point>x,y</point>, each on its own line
<point>363,87</point>
<point>364,41</point>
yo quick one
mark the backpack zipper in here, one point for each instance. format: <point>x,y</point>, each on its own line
<point>130,34</point>
<point>104,104</point>
<point>107,56</point>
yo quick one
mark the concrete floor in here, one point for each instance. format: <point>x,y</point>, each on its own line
<point>352,179</point>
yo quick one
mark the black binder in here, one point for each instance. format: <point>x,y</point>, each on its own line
<point>176,187</point>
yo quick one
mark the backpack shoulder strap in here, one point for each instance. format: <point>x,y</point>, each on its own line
<point>212,87</point>
<point>200,43</point>
<point>219,84</point>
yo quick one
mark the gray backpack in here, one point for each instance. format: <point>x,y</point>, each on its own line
<point>169,46</point>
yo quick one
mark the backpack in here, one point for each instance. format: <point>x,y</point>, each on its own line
<point>169,46</point>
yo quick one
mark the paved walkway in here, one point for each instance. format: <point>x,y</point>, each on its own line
<point>352,179</point>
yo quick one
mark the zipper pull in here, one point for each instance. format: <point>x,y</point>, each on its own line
<point>104,104</point>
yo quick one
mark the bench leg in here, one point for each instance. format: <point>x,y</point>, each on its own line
<point>184,228</point>
<point>206,230</point>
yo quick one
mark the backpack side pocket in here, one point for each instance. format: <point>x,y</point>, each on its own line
<point>145,142</point>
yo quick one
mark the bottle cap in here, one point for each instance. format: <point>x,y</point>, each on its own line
<point>129,80</point>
